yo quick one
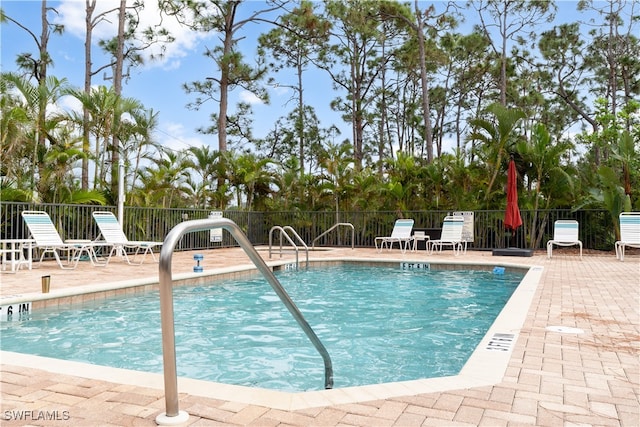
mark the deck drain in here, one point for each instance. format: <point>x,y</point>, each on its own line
<point>565,330</point>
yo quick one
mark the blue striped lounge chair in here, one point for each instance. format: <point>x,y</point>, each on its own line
<point>565,233</point>
<point>111,232</point>
<point>451,236</point>
<point>400,234</point>
<point>629,233</point>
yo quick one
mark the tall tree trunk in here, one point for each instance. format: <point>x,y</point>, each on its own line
<point>356,106</point>
<point>117,88</point>
<point>426,104</point>
<point>41,77</point>
<point>503,57</point>
<point>86,147</point>
<point>383,126</point>
<point>300,121</point>
<point>224,79</point>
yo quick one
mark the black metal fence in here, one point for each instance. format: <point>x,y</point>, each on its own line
<point>597,229</point>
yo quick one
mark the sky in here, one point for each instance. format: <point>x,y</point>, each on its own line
<point>158,84</point>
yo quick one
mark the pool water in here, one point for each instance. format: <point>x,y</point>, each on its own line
<point>379,324</point>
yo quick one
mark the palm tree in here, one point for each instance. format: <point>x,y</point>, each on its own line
<point>164,183</point>
<point>104,106</point>
<point>203,161</point>
<point>459,180</point>
<point>15,126</point>
<point>338,164</point>
<point>137,141</point>
<point>288,180</point>
<point>57,181</point>
<point>196,192</point>
<point>34,100</point>
<point>625,152</point>
<point>99,104</point>
<point>496,136</point>
<point>402,181</point>
<point>547,177</point>
<point>248,174</point>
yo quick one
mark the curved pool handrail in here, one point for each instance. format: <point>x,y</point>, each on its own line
<point>297,236</point>
<point>282,233</point>
<point>333,227</point>
<point>166,306</point>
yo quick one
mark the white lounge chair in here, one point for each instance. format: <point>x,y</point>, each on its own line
<point>111,232</point>
<point>629,233</point>
<point>451,236</point>
<point>401,234</point>
<point>48,240</point>
<point>565,233</point>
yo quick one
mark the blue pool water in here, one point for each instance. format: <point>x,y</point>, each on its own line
<point>379,324</point>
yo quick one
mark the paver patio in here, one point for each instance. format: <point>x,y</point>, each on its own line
<point>552,378</point>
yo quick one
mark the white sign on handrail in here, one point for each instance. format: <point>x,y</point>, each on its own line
<point>215,233</point>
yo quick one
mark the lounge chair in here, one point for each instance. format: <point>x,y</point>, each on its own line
<point>451,236</point>
<point>629,233</point>
<point>401,234</point>
<point>111,232</point>
<point>48,240</point>
<point>565,233</point>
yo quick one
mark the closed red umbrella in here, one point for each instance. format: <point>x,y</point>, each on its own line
<point>512,218</point>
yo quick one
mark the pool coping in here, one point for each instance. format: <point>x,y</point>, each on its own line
<point>486,365</point>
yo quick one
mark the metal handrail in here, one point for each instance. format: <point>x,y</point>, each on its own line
<point>333,227</point>
<point>277,227</point>
<point>283,232</point>
<point>166,306</point>
<point>306,248</point>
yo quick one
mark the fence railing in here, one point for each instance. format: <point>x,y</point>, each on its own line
<point>597,230</point>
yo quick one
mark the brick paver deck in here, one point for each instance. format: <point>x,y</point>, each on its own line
<point>552,378</point>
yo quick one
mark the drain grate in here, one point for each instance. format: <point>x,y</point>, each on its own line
<point>501,342</point>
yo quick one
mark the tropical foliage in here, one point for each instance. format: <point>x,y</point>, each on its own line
<point>406,80</point>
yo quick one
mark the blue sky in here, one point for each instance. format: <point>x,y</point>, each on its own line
<point>158,84</point>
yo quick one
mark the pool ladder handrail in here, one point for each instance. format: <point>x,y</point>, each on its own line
<point>283,232</point>
<point>333,227</point>
<point>173,415</point>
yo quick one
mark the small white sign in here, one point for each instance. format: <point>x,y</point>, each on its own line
<point>15,311</point>
<point>216,233</point>
<point>415,266</point>
<point>467,227</point>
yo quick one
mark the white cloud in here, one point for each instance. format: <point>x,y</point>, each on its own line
<point>71,13</point>
<point>250,98</point>
<point>174,136</point>
<point>69,103</point>
<point>282,90</point>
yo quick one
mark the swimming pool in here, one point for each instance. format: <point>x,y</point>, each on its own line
<point>347,314</point>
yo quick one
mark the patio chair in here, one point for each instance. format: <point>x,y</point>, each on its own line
<point>48,240</point>
<point>629,233</point>
<point>565,233</point>
<point>401,233</point>
<point>451,236</point>
<point>111,232</point>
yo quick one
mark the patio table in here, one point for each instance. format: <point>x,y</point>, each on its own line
<point>13,253</point>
